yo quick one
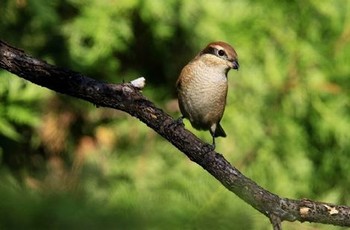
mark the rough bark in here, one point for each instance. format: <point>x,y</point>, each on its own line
<point>128,98</point>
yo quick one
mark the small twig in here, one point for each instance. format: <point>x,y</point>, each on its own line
<point>276,222</point>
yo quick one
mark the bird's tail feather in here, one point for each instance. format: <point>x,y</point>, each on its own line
<point>219,131</point>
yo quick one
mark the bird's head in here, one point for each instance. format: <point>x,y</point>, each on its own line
<point>220,55</point>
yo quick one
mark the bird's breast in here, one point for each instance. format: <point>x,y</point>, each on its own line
<point>203,95</point>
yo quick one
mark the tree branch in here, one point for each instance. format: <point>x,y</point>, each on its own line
<point>128,98</point>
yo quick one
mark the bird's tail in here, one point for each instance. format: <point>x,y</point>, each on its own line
<point>219,131</point>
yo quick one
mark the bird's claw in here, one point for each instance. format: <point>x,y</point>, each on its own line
<point>179,121</point>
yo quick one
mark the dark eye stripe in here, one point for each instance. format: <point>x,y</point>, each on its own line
<point>214,51</point>
<point>209,50</point>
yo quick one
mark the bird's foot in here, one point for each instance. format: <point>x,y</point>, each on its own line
<point>179,121</point>
<point>209,147</point>
<point>212,147</point>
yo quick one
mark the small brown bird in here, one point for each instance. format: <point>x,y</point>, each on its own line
<point>202,87</point>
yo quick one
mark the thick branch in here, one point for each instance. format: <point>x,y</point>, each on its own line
<point>127,98</point>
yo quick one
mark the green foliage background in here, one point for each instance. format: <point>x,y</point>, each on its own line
<point>66,164</point>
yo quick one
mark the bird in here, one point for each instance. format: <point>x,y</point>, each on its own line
<point>202,87</point>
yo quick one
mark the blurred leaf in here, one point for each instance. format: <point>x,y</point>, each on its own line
<point>19,105</point>
<point>21,115</point>
<point>8,130</point>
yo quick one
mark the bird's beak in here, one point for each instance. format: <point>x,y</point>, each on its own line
<point>235,65</point>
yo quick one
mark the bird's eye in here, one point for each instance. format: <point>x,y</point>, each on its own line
<point>221,53</point>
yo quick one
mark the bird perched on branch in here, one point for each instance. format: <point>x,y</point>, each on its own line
<point>202,87</point>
